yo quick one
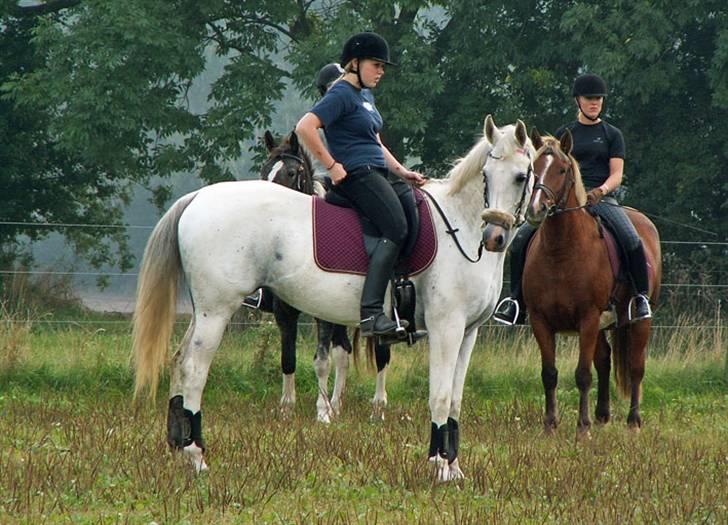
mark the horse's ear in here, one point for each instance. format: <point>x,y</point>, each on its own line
<point>270,142</point>
<point>521,134</point>
<point>293,142</point>
<point>490,130</point>
<point>566,142</point>
<point>536,139</point>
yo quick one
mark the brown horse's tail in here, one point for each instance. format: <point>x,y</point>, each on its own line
<point>156,303</point>
<point>620,358</point>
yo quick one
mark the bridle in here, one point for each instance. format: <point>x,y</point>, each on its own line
<point>486,202</point>
<point>558,201</point>
<point>302,178</point>
<point>519,215</point>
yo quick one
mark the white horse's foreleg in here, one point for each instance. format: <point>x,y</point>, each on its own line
<point>341,364</point>
<point>190,367</point>
<point>288,398</point>
<point>453,421</point>
<point>445,338</point>
<point>324,410</point>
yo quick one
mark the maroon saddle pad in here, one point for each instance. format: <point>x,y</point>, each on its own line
<point>338,243</point>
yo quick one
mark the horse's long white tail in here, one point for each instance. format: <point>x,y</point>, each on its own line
<point>156,303</point>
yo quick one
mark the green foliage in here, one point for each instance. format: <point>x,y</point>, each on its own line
<point>97,94</point>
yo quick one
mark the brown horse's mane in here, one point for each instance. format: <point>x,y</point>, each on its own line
<point>553,145</point>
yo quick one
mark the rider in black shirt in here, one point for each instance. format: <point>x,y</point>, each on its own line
<point>599,150</point>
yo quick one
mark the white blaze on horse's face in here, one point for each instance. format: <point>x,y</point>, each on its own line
<point>274,171</point>
<point>508,189</point>
<point>538,208</point>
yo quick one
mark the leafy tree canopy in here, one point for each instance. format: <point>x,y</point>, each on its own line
<point>96,92</point>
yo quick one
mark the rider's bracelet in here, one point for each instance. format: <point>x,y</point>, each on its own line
<point>332,165</point>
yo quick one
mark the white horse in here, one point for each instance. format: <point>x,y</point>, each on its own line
<point>230,239</point>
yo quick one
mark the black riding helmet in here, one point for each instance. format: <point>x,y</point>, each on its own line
<point>327,75</point>
<point>590,86</point>
<point>366,45</point>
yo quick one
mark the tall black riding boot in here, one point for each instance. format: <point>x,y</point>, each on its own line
<point>640,281</point>
<point>381,264</point>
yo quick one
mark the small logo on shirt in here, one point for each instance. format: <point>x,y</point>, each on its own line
<point>599,140</point>
<point>368,106</point>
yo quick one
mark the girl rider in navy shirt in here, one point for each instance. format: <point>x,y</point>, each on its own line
<point>361,167</point>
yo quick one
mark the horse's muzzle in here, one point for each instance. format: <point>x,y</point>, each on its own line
<point>536,213</point>
<point>498,229</point>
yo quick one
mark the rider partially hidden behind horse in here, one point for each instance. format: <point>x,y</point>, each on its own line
<point>599,149</point>
<point>362,168</point>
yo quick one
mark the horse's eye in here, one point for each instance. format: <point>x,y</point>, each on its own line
<point>562,171</point>
<point>520,177</point>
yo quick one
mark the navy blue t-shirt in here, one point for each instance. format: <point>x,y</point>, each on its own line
<point>351,123</point>
<point>593,147</point>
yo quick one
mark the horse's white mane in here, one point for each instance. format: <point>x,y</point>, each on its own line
<point>468,166</point>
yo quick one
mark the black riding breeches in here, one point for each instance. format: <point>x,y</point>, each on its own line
<point>615,218</point>
<point>374,197</point>
<point>406,196</point>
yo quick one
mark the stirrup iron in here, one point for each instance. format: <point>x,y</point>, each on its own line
<point>501,320</point>
<point>254,300</point>
<point>648,315</point>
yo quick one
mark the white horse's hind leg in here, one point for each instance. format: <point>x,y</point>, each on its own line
<point>324,410</point>
<point>288,398</point>
<point>341,365</point>
<point>190,367</point>
<point>379,401</point>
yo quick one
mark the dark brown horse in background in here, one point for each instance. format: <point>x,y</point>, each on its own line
<point>290,166</point>
<point>568,283</point>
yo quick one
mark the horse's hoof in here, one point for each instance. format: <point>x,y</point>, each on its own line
<point>455,472</point>
<point>196,457</point>
<point>442,468</point>
<point>549,426</point>
<point>323,417</point>
<point>602,419</point>
<point>583,435</point>
<point>635,428</point>
<point>286,409</point>
<point>378,408</point>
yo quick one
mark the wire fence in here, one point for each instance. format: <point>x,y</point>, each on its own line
<point>127,303</point>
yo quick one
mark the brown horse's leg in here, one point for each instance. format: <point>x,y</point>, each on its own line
<point>640,333</point>
<point>603,364</point>
<point>588,333</point>
<point>549,375</point>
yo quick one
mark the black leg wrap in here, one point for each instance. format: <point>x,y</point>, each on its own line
<point>439,441</point>
<point>183,427</point>
<point>454,445</point>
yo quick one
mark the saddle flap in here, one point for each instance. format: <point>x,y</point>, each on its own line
<point>339,245</point>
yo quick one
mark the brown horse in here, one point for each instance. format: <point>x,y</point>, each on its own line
<point>568,283</point>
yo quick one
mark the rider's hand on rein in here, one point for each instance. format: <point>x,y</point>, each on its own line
<point>594,196</point>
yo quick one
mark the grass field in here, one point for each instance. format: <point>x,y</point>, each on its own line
<point>74,448</point>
